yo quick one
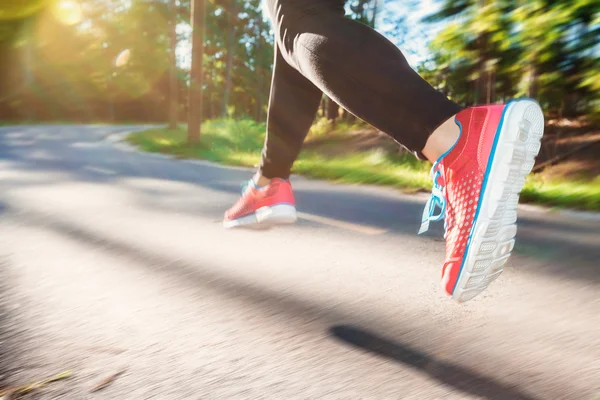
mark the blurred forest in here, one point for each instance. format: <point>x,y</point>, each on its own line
<point>109,60</point>
<point>112,60</point>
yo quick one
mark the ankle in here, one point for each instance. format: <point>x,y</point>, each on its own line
<point>260,180</point>
<point>441,140</point>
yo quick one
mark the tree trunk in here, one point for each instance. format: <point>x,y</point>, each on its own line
<point>348,116</point>
<point>231,23</point>
<point>195,90</point>
<point>333,110</point>
<point>208,93</point>
<point>374,20</point>
<point>259,94</point>
<point>532,86</point>
<point>490,92</point>
<point>492,97</point>
<point>173,84</point>
<point>483,80</point>
<point>29,75</point>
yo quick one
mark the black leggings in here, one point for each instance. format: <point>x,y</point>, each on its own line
<point>319,51</point>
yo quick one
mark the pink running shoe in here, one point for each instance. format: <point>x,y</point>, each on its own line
<point>262,207</point>
<point>477,185</point>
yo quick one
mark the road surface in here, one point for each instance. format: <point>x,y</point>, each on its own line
<point>112,259</point>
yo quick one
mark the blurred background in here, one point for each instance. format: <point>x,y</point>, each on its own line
<point>116,273</point>
<point>129,61</point>
<point>76,59</point>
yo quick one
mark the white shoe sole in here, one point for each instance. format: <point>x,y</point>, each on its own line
<point>265,217</point>
<point>492,238</point>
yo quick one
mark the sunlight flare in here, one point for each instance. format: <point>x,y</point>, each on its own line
<point>67,11</point>
<point>122,58</point>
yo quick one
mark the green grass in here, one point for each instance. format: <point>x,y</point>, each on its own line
<point>583,195</point>
<point>240,142</point>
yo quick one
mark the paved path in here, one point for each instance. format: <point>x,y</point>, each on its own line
<point>111,258</point>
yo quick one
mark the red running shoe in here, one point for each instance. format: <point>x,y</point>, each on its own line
<point>262,207</point>
<point>477,185</point>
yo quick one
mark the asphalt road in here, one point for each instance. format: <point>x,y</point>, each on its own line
<point>112,259</point>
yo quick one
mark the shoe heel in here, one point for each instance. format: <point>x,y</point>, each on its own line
<point>280,214</point>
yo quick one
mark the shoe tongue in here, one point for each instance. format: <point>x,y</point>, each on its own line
<point>440,169</point>
<point>249,185</point>
<point>453,154</point>
<point>442,177</point>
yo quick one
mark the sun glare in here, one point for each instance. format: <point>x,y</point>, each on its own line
<point>122,58</point>
<point>67,11</point>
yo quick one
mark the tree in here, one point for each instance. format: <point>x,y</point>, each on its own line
<point>196,72</point>
<point>535,48</point>
<point>231,14</point>
<point>173,81</point>
<point>116,64</point>
<point>364,11</point>
<point>479,33</point>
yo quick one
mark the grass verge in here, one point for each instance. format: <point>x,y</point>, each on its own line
<point>240,142</point>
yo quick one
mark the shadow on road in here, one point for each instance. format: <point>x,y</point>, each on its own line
<point>359,205</point>
<point>461,378</point>
<point>205,278</point>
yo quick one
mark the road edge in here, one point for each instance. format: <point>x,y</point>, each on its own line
<point>117,140</point>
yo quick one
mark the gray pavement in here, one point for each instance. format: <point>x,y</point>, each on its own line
<point>114,259</point>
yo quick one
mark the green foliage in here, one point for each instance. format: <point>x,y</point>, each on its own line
<point>494,49</point>
<point>547,50</point>
<point>237,29</point>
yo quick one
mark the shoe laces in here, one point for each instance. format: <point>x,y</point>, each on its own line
<point>249,183</point>
<point>244,186</point>
<point>437,199</point>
